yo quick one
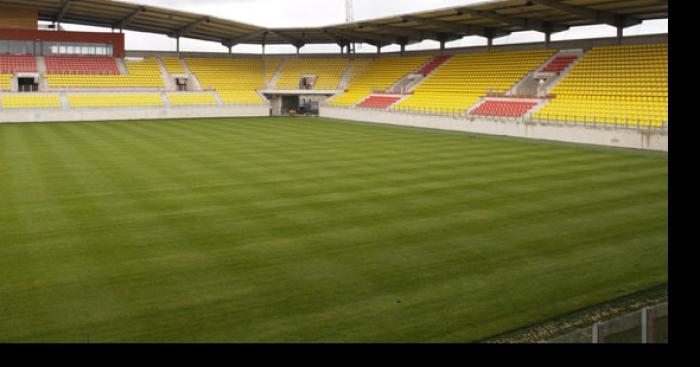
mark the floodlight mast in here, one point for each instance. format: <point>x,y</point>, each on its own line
<point>349,18</point>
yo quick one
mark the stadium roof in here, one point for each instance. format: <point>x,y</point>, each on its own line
<point>490,19</point>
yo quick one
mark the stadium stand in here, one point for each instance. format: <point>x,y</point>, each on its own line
<point>114,100</point>
<point>82,65</point>
<point>615,84</point>
<point>379,75</point>
<point>173,65</point>
<point>190,99</point>
<point>30,101</point>
<point>464,78</point>
<point>503,108</point>
<point>328,72</point>
<point>235,80</point>
<point>11,64</point>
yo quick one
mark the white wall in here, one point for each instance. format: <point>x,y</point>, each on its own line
<point>623,138</point>
<point>106,114</point>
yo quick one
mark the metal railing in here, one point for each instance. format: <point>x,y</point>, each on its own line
<point>548,120</point>
<point>646,326</point>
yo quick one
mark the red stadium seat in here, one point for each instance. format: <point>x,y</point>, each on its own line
<point>378,102</point>
<point>11,64</point>
<point>559,64</point>
<point>503,108</point>
<point>84,65</point>
<point>433,64</point>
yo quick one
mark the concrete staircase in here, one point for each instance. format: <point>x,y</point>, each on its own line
<point>275,77</point>
<point>192,80</point>
<point>530,85</point>
<point>41,65</point>
<point>168,80</point>
<point>345,78</point>
<point>412,80</point>
<point>123,70</point>
<point>165,99</point>
<point>219,101</point>
<point>64,101</point>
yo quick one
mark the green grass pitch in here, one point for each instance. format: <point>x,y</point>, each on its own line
<point>312,230</point>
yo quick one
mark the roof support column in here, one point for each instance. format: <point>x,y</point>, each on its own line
<point>620,33</point>
<point>489,42</point>
<point>547,39</point>
<point>403,41</point>
<point>177,47</point>
<point>264,60</point>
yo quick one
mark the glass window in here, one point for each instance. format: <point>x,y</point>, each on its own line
<point>84,50</point>
<point>62,49</point>
<point>4,47</point>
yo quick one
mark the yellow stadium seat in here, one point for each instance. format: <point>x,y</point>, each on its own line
<point>234,79</point>
<point>464,78</point>
<point>625,85</point>
<point>378,74</point>
<point>115,100</point>
<point>13,101</point>
<point>328,72</point>
<point>142,74</point>
<point>191,99</point>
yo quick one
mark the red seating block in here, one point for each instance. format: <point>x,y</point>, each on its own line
<point>503,108</point>
<point>11,64</point>
<point>83,65</point>
<point>559,64</point>
<point>378,102</point>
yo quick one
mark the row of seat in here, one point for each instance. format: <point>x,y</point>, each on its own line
<point>11,64</point>
<point>5,81</point>
<point>82,65</point>
<point>23,101</point>
<point>13,101</point>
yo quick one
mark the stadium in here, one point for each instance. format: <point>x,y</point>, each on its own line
<point>376,191</point>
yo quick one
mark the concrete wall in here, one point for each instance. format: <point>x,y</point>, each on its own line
<point>107,114</point>
<point>624,138</point>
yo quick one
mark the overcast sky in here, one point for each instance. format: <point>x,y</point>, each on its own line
<point>305,13</point>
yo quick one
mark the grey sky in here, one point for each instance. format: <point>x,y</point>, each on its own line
<point>302,13</point>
